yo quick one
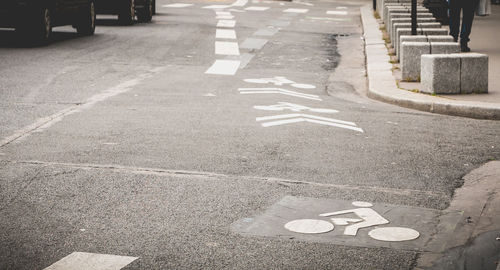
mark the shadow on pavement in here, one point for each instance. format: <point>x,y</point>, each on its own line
<point>10,39</point>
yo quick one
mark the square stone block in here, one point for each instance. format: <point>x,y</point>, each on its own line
<point>445,47</point>
<point>435,31</point>
<point>474,73</point>
<point>408,25</point>
<point>409,39</point>
<point>440,73</point>
<point>445,38</point>
<point>410,59</point>
<point>402,10</point>
<point>408,15</point>
<point>403,32</point>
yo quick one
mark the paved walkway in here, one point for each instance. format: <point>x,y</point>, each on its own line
<point>485,38</point>
<point>382,81</point>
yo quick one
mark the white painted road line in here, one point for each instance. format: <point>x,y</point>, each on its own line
<point>239,3</point>
<point>224,17</point>
<point>91,261</point>
<point>226,48</point>
<point>257,8</point>
<point>224,67</point>
<point>222,13</point>
<point>300,117</point>
<point>253,43</point>
<point>226,23</point>
<point>336,12</point>
<point>225,34</point>
<point>296,10</point>
<point>177,5</point>
<point>216,6</point>
<point>278,91</point>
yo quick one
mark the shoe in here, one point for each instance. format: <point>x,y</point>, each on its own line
<point>464,47</point>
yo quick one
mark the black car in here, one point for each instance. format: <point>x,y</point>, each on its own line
<point>34,19</point>
<point>127,9</point>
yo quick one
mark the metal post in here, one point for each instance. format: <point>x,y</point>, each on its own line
<point>414,17</point>
<point>374,4</point>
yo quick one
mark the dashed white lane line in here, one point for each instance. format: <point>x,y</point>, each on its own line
<point>224,67</point>
<point>336,12</point>
<point>341,7</point>
<point>225,34</point>
<point>91,261</point>
<point>177,5</point>
<point>226,48</point>
<point>226,23</point>
<point>296,10</point>
<point>253,43</point>
<point>224,17</point>
<point>257,8</point>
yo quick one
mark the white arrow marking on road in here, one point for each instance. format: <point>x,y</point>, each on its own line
<point>300,117</point>
<point>257,8</point>
<point>281,106</point>
<point>91,261</point>
<point>278,91</point>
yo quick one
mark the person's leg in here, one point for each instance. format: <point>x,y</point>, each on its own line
<point>454,6</point>
<point>469,9</point>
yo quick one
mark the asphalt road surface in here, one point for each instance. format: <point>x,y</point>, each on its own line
<point>150,142</point>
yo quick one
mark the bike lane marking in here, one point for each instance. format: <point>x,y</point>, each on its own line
<point>365,225</point>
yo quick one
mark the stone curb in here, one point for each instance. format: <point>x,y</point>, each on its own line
<point>382,84</point>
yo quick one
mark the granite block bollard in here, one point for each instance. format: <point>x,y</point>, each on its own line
<point>420,31</point>
<point>440,74</point>
<point>412,51</point>
<point>396,26</point>
<point>410,59</point>
<point>445,47</point>
<point>460,73</point>
<point>474,73</point>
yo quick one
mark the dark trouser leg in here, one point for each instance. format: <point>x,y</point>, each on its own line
<point>468,16</point>
<point>455,6</point>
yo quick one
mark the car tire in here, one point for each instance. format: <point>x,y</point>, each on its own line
<point>37,28</point>
<point>86,25</point>
<point>145,14</point>
<point>127,13</point>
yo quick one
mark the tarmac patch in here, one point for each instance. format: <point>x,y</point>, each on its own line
<point>353,223</point>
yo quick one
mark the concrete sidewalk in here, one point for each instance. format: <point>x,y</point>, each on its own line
<point>382,79</point>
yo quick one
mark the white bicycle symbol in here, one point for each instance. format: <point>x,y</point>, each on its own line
<point>278,80</point>
<point>367,218</point>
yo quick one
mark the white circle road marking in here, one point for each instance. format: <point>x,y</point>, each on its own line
<point>394,234</point>
<point>309,226</point>
<point>362,204</point>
